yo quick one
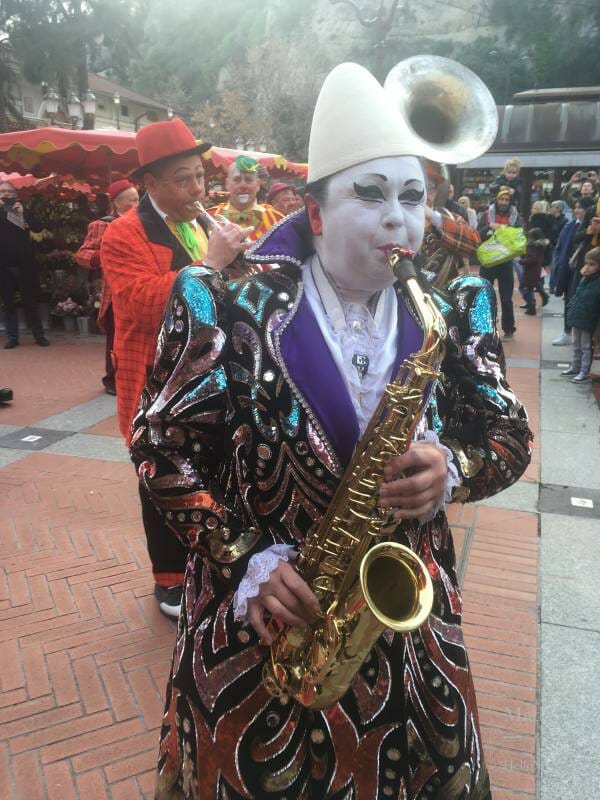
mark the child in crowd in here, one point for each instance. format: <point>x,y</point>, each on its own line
<point>583,315</point>
<point>509,177</point>
<point>471,213</point>
<point>533,264</point>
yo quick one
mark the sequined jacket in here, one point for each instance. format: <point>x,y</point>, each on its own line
<point>244,429</point>
<point>245,425</point>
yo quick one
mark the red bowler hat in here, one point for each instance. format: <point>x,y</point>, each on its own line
<point>276,188</point>
<point>116,188</point>
<point>161,140</point>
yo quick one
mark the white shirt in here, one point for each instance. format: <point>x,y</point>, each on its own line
<point>354,332</point>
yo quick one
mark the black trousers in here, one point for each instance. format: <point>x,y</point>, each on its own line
<point>13,280</point>
<point>167,554</point>
<point>109,327</point>
<point>504,274</point>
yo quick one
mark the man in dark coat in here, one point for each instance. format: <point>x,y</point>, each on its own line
<point>18,270</point>
<point>502,212</point>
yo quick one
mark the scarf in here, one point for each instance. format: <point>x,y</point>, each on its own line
<point>512,215</point>
<point>188,238</point>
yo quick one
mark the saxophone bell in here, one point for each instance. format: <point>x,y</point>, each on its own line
<point>397,586</point>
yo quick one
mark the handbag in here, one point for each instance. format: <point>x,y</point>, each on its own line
<point>576,253</point>
<point>503,245</point>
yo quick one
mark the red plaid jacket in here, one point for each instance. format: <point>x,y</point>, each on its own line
<point>88,257</point>
<point>456,236</point>
<point>140,258</point>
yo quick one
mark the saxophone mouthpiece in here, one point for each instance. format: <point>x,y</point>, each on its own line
<point>400,260</point>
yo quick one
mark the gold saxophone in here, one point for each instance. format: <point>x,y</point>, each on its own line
<point>364,585</point>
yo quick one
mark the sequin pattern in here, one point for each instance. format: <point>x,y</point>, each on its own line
<point>211,425</point>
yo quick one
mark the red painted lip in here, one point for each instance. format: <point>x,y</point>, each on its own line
<point>385,248</point>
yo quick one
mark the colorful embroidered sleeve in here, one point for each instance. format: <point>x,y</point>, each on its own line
<point>477,414</point>
<point>88,255</point>
<point>178,435</point>
<point>457,236</point>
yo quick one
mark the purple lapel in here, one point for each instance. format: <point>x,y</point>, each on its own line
<point>315,373</point>
<point>305,352</point>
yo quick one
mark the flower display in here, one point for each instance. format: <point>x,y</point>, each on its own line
<point>68,308</point>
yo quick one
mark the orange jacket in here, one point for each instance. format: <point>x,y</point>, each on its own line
<point>140,258</point>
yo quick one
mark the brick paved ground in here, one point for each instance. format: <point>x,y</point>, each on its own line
<point>85,653</point>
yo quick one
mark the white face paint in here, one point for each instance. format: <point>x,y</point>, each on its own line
<point>370,207</point>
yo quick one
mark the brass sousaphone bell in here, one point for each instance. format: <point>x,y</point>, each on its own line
<point>447,109</point>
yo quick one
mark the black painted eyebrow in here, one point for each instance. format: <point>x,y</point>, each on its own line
<point>373,175</point>
<point>414,180</point>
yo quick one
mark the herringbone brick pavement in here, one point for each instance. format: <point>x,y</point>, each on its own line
<point>49,380</point>
<point>84,652</point>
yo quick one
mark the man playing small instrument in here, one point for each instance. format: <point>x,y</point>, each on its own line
<point>242,208</point>
<point>261,391</point>
<point>141,253</point>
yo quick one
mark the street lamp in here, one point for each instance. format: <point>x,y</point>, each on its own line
<point>239,143</point>
<point>117,102</point>
<point>73,109</point>
<point>88,102</point>
<point>51,102</point>
<point>250,145</point>
<point>262,145</point>
<point>170,112</point>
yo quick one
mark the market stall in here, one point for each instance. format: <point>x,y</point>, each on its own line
<point>61,175</point>
<point>102,156</point>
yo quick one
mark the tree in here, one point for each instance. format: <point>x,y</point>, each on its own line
<point>8,107</point>
<point>227,120</point>
<point>559,39</point>
<point>270,93</point>
<point>194,40</point>
<point>54,39</point>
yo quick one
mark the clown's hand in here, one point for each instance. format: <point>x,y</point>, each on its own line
<point>225,245</point>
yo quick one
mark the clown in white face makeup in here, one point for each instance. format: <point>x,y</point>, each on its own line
<point>367,209</point>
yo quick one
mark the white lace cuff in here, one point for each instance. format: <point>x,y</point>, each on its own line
<point>260,566</point>
<point>453,479</point>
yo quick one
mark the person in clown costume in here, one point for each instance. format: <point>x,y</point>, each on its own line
<point>242,207</point>
<point>260,391</point>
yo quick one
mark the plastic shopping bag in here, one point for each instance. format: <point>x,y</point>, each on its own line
<point>503,245</point>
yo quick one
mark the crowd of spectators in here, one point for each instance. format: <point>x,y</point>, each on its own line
<point>559,236</point>
<point>563,244</point>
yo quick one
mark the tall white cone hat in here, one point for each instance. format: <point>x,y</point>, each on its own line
<point>355,121</point>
